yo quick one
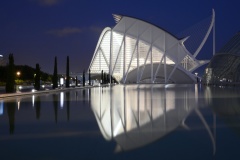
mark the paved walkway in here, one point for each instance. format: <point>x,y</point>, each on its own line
<point>8,95</point>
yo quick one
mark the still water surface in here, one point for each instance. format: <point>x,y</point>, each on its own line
<point>123,122</point>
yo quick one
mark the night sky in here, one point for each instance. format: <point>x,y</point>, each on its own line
<point>36,31</point>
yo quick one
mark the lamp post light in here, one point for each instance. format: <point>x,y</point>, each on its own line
<point>18,88</point>
<point>18,73</point>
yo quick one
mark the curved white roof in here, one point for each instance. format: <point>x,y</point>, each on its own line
<point>132,44</point>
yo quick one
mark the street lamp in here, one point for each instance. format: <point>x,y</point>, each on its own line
<point>18,87</point>
<point>18,73</point>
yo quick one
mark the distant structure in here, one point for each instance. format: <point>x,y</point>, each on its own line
<point>224,67</point>
<point>135,51</point>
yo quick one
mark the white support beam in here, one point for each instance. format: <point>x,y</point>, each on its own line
<point>159,66</point>
<point>214,35</point>
<point>120,48</point>
<point>206,36</point>
<point>151,57</point>
<point>100,64</point>
<point>151,66</point>
<point>138,54</point>
<point>165,69</point>
<point>135,46</point>
<point>124,57</point>
<point>145,61</point>
<point>104,32</point>
<point>110,61</point>
<point>170,75</point>
<point>164,54</point>
<point>104,56</point>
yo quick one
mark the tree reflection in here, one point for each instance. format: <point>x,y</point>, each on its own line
<point>55,106</point>
<point>11,108</point>
<point>68,105</point>
<point>84,95</point>
<point>38,107</point>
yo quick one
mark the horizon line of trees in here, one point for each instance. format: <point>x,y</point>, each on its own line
<point>29,75</point>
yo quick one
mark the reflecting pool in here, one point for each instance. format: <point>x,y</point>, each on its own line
<point>123,122</point>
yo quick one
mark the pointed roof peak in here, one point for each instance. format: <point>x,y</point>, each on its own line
<point>117,17</point>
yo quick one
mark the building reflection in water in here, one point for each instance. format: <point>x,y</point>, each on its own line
<point>225,103</point>
<point>137,115</point>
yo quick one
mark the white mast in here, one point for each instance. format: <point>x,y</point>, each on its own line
<point>214,34</point>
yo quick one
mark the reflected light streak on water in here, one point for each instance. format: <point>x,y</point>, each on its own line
<point>61,100</point>
<point>1,107</point>
<point>33,100</point>
<point>18,103</point>
<point>208,95</point>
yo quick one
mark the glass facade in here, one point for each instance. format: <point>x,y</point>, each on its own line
<point>225,65</point>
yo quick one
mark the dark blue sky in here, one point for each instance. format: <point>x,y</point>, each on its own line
<point>36,31</point>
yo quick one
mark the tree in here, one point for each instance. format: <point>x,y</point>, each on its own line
<point>67,73</point>
<point>89,77</point>
<point>27,74</point>
<point>102,76</point>
<point>55,76</point>
<point>10,83</point>
<point>76,81</point>
<point>37,77</point>
<point>107,78</point>
<point>83,78</point>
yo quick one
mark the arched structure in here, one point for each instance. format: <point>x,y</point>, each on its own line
<point>224,67</point>
<point>135,51</point>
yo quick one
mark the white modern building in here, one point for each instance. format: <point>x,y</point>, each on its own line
<point>135,51</point>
